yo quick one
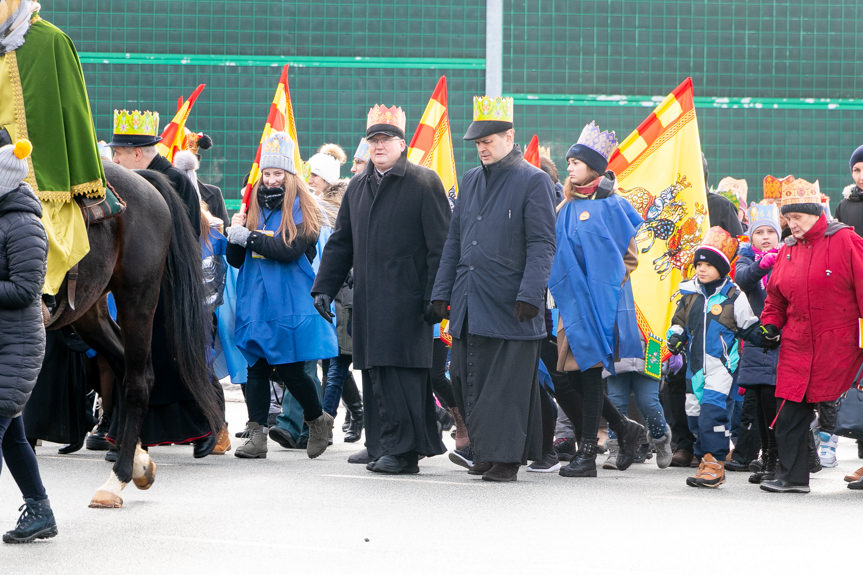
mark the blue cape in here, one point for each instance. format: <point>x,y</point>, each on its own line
<point>598,314</point>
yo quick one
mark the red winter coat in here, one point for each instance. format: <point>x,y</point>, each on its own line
<point>815,296</point>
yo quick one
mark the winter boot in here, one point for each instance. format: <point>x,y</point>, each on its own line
<point>584,462</point>
<point>611,460</point>
<point>827,449</point>
<point>642,453</point>
<point>36,522</point>
<point>255,447</point>
<point>814,460</point>
<point>461,438</point>
<point>628,440</point>
<point>662,445</point>
<point>711,473</point>
<point>319,431</point>
<point>346,424</point>
<point>355,430</point>
<point>96,441</point>
<point>768,469</point>
<point>223,445</point>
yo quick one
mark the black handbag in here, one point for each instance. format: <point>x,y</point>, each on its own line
<point>849,416</point>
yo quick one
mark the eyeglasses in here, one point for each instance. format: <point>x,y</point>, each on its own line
<point>381,141</point>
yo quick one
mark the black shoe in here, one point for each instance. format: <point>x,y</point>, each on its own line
<point>502,473</point>
<point>404,464</point>
<point>244,434</point>
<point>480,468</point>
<point>856,485</point>
<point>204,446</point>
<point>360,457</point>
<point>627,439</point>
<point>347,422</point>
<point>564,448</point>
<point>782,486</point>
<point>303,442</point>
<point>71,448</point>
<point>111,455</point>
<point>355,431</point>
<point>734,465</point>
<point>282,437</point>
<point>444,418</point>
<point>584,462</point>
<point>96,441</point>
<point>462,457</point>
<point>36,522</point>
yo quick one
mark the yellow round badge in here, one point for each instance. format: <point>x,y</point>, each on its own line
<point>716,309</point>
<point>584,216</point>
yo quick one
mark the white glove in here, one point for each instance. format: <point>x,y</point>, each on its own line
<point>238,235</point>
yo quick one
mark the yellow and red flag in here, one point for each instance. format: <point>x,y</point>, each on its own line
<point>174,134</point>
<point>431,145</point>
<point>531,153</point>
<point>279,119</point>
<point>659,171</point>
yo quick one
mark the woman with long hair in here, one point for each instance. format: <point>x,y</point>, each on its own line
<point>277,326</point>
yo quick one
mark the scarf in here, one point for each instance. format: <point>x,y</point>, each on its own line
<point>271,198</point>
<point>13,30</point>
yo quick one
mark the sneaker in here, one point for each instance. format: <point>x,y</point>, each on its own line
<point>711,473</point>
<point>548,464</point>
<point>827,449</point>
<point>564,448</point>
<point>611,461</point>
<point>462,457</point>
<point>782,486</point>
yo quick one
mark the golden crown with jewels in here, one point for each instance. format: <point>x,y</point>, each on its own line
<point>497,109</point>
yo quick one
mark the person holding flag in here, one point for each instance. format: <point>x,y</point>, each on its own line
<point>493,276</point>
<point>391,229</point>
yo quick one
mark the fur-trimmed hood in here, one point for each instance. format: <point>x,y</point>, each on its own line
<point>852,193</point>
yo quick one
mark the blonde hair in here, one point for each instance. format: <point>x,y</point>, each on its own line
<point>295,187</point>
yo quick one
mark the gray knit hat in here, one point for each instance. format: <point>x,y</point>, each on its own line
<point>278,152</point>
<point>13,165</point>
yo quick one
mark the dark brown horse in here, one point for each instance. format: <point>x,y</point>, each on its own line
<point>149,249</point>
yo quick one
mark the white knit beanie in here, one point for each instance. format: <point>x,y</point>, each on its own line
<point>325,166</point>
<point>13,165</point>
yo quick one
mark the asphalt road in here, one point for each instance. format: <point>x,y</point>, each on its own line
<point>287,513</point>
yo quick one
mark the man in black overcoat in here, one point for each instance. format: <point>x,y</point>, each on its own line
<point>391,229</point>
<point>493,275</point>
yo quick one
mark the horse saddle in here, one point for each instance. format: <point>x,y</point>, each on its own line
<point>97,210</point>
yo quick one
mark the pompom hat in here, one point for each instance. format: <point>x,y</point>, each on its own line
<point>13,165</point>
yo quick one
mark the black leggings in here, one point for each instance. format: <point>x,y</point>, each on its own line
<point>20,458</point>
<point>584,389</point>
<point>298,383</point>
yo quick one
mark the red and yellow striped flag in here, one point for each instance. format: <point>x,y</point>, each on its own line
<point>659,171</point>
<point>431,145</point>
<point>174,134</point>
<point>279,119</point>
<point>531,153</point>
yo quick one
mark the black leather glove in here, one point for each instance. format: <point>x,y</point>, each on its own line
<point>322,304</point>
<point>525,311</point>
<point>430,315</point>
<point>441,309</point>
<point>676,343</point>
<point>769,336</point>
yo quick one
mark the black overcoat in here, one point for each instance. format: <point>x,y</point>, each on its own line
<point>392,235</point>
<point>499,250</point>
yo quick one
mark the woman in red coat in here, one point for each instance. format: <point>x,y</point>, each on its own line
<point>815,298</point>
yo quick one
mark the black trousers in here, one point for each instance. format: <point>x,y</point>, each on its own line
<point>766,399</point>
<point>792,440</point>
<point>748,432</point>
<point>298,383</point>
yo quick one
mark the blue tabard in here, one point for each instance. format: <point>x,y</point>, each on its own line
<point>276,316</point>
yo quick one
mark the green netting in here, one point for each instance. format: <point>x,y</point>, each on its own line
<point>777,83</point>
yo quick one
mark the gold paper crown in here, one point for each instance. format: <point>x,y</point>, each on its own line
<point>394,116</point>
<point>739,187</point>
<point>136,123</point>
<point>773,186</point>
<point>718,239</point>
<point>800,192</point>
<point>497,109</point>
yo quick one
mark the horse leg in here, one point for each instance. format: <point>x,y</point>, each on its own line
<point>143,469</point>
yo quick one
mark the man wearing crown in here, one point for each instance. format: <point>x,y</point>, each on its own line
<point>134,147</point>
<point>493,276</point>
<point>391,229</point>
<point>42,94</point>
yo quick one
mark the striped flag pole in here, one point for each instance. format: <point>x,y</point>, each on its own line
<point>279,119</point>
<point>174,135</point>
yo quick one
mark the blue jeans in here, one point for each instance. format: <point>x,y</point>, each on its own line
<point>20,458</point>
<point>646,390</point>
<point>340,370</point>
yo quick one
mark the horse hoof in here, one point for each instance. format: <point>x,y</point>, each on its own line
<point>106,500</point>
<point>146,480</point>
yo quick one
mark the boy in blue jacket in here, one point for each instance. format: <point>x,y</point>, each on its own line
<point>711,316</point>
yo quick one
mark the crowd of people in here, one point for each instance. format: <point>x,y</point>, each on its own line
<point>530,279</point>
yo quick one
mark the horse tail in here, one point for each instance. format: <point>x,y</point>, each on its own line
<point>181,300</point>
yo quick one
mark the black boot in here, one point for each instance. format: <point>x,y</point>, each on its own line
<point>355,430</point>
<point>36,522</point>
<point>96,441</point>
<point>627,439</point>
<point>584,462</point>
<point>768,470</point>
<point>814,460</point>
<point>347,423</point>
<point>354,403</point>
